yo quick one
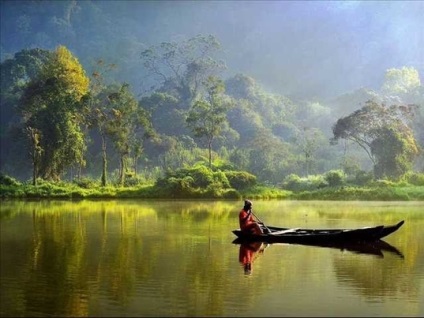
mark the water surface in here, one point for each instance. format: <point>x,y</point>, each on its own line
<point>176,258</point>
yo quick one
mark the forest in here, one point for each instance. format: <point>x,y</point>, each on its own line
<point>89,103</point>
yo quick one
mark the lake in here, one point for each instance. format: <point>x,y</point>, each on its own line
<point>178,259</point>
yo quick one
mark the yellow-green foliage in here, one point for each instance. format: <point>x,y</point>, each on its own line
<point>8,181</point>
<point>414,178</point>
<point>335,178</point>
<point>263,192</point>
<point>295,183</point>
<point>182,188</point>
<point>385,193</point>
<point>67,69</point>
<point>240,179</point>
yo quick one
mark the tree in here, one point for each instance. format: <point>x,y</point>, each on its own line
<point>166,117</point>
<point>51,105</point>
<point>401,80</point>
<point>128,125</point>
<point>183,66</point>
<point>309,140</point>
<point>373,128</point>
<point>16,73</point>
<point>207,117</point>
<point>395,152</point>
<point>97,112</point>
<point>268,157</point>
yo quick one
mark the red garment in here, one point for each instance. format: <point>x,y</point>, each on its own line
<point>245,220</point>
<point>248,224</point>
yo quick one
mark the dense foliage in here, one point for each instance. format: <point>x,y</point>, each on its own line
<point>64,118</point>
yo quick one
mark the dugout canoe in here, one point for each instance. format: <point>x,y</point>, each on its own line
<point>319,236</point>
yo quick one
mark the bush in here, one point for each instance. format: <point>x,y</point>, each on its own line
<point>85,183</point>
<point>221,180</point>
<point>383,183</point>
<point>295,183</point>
<point>132,181</point>
<point>335,178</point>
<point>292,182</point>
<point>362,178</point>
<point>414,178</point>
<point>240,180</point>
<point>8,181</point>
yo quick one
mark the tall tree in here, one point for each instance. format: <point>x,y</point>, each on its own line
<point>130,125</point>
<point>183,65</point>
<point>208,117</point>
<point>309,140</point>
<point>395,152</point>
<point>400,80</point>
<point>51,105</point>
<point>98,114</point>
<point>373,128</point>
<point>16,73</point>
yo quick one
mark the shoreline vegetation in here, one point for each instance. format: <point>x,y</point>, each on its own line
<point>176,189</point>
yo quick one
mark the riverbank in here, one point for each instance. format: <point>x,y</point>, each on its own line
<point>149,191</point>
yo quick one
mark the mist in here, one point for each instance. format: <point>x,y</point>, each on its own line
<point>303,49</point>
<point>296,48</point>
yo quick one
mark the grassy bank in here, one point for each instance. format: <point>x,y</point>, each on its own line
<point>64,190</point>
<point>392,193</point>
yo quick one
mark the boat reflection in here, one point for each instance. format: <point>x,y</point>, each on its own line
<point>249,249</point>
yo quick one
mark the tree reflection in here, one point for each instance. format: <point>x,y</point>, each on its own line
<point>159,258</point>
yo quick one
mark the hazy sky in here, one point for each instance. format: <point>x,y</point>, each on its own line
<point>301,48</point>
<point>323,47</point>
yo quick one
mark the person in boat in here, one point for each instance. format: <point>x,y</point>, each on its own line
<point>247,223</point>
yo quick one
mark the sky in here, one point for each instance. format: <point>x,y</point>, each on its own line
<point>322,47</point>
<point>296,48</point>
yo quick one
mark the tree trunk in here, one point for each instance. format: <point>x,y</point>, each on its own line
<point>210,153</point>
<point>135,166</point>
<point>122,169</point>
<point>34,168</point>
<point>104,161</point>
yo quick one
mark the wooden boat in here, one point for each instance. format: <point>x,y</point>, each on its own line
<point>319,236</point>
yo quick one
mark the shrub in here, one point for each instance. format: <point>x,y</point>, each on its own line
<point>414,178</point>
<point>295,183</point>
<point>202,176</point>
<point>335,178</point>
<point>220,179</point>
<point>132,181</point>
<point>9,181</point>
<point>240,180</point>
<point>362,177</point>
<point>292,182</point>
<point>85,183</point>
<point>382,183</point>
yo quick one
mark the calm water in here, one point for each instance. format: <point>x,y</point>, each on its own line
<point>166,258</point>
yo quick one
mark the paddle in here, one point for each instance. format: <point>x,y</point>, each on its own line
<point>269,231</point>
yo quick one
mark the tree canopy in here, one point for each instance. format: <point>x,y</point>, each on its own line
<point>51,104</point>
<point>383,134</point>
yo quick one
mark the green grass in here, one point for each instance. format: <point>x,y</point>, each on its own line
<point>394,193</point>
<point>64,190</point>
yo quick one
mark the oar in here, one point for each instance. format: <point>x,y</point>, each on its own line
<point>269,231</point>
